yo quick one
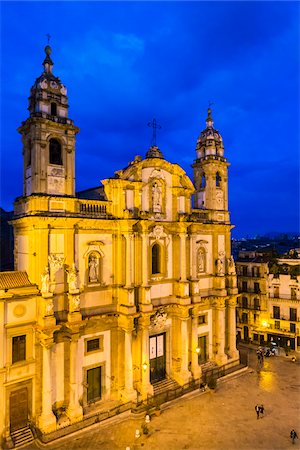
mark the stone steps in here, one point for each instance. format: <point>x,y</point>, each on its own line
<point>164,385</point>
<point>22,436</point>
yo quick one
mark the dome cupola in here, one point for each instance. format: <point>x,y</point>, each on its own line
<point>209,142</point>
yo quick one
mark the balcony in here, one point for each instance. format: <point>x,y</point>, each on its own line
<point>286,317</point>
<point>251,307</point>
<point>283,330</point>
<point>283,296</point>
<point>250,290</point>
<point>93,208</point>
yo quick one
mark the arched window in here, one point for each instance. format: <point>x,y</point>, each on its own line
<point>201,260</point>
<point>156,263</point>
<point>94,267</point>
<point>53,109</point>
<point>55,156</point>
<point>218,179</point>
<point>203,181</point>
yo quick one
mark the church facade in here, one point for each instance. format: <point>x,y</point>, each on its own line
<point>116,288</point>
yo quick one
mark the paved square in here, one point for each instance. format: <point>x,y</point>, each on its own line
<point>221,420</point>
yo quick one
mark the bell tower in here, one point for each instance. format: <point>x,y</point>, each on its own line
<point>48,137</point>
<point>210,169</point>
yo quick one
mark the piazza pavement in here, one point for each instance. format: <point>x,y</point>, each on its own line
<point>224,419</point>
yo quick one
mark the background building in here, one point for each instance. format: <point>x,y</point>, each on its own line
<point>268,308</point>
<point>118,288</point>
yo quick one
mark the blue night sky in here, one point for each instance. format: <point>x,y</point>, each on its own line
<point>127,62</point>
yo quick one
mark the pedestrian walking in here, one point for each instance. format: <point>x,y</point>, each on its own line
<point>293,435</point>
<point>262,410</point>
<point>257,409</point>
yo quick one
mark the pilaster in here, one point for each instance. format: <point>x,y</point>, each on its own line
<point>46,421</point>
<point>74,410</point>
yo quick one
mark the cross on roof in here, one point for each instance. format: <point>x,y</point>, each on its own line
<point>48,36</point>
<point>155,127</point>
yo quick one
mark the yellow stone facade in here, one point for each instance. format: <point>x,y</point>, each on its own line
<point>128,289</point>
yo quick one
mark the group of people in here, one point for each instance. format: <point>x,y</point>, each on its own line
<point>259,411</point>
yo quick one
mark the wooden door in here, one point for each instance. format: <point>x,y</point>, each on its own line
<point>18,404</point>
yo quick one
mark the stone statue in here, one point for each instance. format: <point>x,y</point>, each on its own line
<point>220,267</point>
<point>93,269</point>
<point>231,266</point>
<point>156,198</point>
<point>200,261</point>
<point>72,278</point>
<point>45,281</point>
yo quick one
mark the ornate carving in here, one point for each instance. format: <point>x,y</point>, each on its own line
<point>56,262</point>
<point>158,232</point>
<point>43,84</point>
<point>158,321</point>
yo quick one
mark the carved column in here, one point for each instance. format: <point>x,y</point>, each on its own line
<point>145,387</point>
<point>144,259</point>
<point>182,237</point>
<point>220,357</point>
<point>47,420</point>
<point>196,369</point>
<point>129,393</point>
<point>74,410</point>
<point>232,350</point>
<point>128,260</point>
<point>181,345</point>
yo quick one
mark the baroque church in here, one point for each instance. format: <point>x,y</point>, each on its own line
<point>115,289</point>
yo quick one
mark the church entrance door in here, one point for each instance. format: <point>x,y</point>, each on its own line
<point>157,357</point>
<point>18,408</point>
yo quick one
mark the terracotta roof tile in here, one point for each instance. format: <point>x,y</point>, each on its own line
<point>10,280</point>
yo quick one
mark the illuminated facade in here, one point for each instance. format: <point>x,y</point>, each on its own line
<point>268,308</point>
<point>129,285</point>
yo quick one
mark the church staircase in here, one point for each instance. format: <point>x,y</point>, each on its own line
<point>21,437</point>
<point>164,385</point>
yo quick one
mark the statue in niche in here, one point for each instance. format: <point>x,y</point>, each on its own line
<point>72,278</point>
<point>45,281</point>
<point>93,268</point>
<point>156,197</point>
<point>201,261</point>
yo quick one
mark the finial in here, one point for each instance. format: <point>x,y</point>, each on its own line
<point>209,119</point>
<point>48,49</point>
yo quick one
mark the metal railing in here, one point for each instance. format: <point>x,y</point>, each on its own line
<point>208,374</point>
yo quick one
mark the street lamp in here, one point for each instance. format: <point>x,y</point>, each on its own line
<point>145,366</point>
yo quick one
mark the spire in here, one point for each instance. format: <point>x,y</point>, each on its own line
<point>209,119</point>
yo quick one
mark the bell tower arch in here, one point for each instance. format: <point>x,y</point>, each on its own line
<point>210,169</point>
<point>48,137</point>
